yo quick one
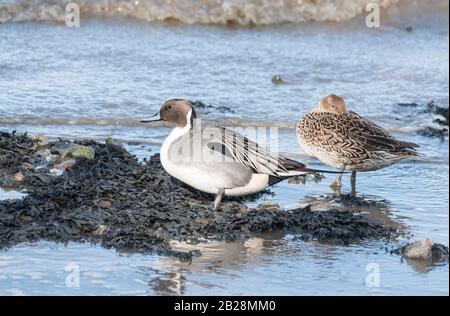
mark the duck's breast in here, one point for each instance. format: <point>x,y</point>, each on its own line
<point>207,172</point>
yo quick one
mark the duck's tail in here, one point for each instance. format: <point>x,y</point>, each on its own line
<point>409,149</point>
<point>295,168</point>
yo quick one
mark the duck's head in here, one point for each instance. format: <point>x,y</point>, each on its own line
<point>332,104</point>
<point>177,111</point>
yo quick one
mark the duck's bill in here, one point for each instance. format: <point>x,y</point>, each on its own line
<point>152,119</point>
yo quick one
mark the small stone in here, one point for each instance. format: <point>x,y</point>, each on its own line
<point>101,230</point>
<point>242,209</point>
<point>44,153</point>
<point>104,203</point>
<point>83,151</point>
<point>420,250</point>
<point>270,203</point>
<point>202,220</point>
<point>112,141</point>
<point>66,164</point>
<point>25,218</point>
<point>56,172</point>
<point>26,165</point>
<point>73,150</point>
<point>277,79</point>
<point>19,177</point>
<point>41,140</point>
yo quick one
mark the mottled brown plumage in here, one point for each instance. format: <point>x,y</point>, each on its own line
<point>346,140</point>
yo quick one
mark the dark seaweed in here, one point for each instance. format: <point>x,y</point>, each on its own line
<point>125,204</point>
<point>206,108</point>
<point>441,120</point>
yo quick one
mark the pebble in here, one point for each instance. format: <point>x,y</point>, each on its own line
<point>277,79</point>
<point>66,164</point>
<point>19,177</point>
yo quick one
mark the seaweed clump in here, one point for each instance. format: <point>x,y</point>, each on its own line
<point>441,121</point>
<point>106,195</point>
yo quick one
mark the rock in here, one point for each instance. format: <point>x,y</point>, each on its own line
<point>101,230</point>
<point>43,153</point>
<point>112,141</point>
<point>66,164</point>
<point>424,250</point>
<point>62,149</point>
<point>268,204</point>
<point>67,149</point>
<point>202,220</point>
<point>104,203</point>
<point>409,29</point>
<point>56,172</point>
<point>19,177</point>
<point>26,165</point>
<point>83,151</point>
<point>25,218</point>
<point>420,250</point>
<point>277,79</point>
<point>41,140</point>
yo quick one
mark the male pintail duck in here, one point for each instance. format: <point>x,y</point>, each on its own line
<point>217,160</point>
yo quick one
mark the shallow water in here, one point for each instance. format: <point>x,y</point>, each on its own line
<point>99,80</point>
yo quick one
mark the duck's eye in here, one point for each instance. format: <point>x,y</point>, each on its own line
<point>169,107</point>
<point>333,106</point>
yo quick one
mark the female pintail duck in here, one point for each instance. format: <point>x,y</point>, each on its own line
<point>345,140</point>
<point>216,160</point>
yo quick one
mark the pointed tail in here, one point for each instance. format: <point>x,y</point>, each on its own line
<point>295,168</point>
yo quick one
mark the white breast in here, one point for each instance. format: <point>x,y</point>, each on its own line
<point>197,175</point>
<point>258,183</point>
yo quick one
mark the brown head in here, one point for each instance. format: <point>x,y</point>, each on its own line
<point>178,111</point>
<point>332,104</point>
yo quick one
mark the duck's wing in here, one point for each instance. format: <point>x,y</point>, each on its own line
<point>349,136</point>
<point>237,148</point>
<point>372,137</point>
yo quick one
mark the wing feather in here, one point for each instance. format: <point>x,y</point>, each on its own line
<point>373,137</point>
<point>248,153</point>
<point>350,135</point>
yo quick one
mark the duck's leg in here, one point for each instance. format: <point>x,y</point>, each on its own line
<point>218,199</point>
<point>353,182</point>
<point>337,184</point>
